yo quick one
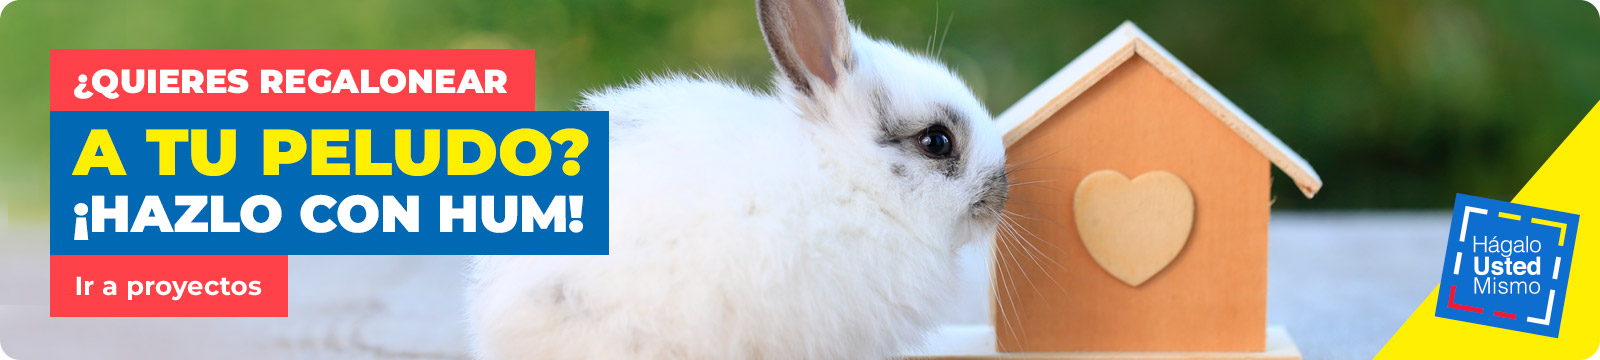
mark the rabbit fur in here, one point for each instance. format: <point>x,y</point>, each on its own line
<point>809,222</point>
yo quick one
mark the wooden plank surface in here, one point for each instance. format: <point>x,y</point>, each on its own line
<point>977,342</point>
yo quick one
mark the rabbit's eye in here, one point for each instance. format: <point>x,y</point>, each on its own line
<point>935,142</point>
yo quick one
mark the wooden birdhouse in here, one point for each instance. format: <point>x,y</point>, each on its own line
<point>1145,214</point>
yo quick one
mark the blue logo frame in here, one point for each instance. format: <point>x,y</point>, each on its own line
<point>1507,265</point>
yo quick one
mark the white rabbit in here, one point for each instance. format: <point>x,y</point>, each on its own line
<point>819,222</point>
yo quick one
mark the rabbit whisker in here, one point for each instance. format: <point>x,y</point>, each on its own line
<point>947,23</point>
<point>1031,182</point>
<point>1014,227</point>
<point>1011,289</point>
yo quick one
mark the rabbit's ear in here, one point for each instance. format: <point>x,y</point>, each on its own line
<point>809,40</point>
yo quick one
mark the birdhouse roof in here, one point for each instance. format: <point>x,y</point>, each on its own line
<point>1109,53</point>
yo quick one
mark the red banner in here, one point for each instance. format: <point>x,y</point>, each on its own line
<point>169,285</point>
<point>292,80</point>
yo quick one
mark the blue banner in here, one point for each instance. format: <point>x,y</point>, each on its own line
<point>325,183</point>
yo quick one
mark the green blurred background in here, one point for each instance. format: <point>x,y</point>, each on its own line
<point>1398,104</point>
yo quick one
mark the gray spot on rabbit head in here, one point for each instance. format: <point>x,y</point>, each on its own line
<point>856,192</point>
<point>558,293</point>
<point>902,123</point>
<point>880,112</point>
<point>957,125</point>
<point>904,132</point>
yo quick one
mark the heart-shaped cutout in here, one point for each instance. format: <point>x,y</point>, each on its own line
<point>1133,229</point>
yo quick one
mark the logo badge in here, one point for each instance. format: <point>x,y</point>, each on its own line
<point>1507,265</point>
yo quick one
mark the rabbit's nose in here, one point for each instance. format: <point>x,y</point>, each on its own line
<point>992,197</point>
